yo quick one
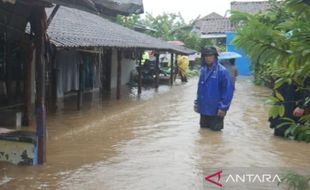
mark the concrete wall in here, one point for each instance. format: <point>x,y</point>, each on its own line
<point>68,74</point>
<point>127,66</point>
<point>19,153</point>
<point>68,79</point>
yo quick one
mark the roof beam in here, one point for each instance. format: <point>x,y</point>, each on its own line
<point>50,18</point>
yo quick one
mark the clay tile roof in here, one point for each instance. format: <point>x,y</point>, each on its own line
<point>214,24</point>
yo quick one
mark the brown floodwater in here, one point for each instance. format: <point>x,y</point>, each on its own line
<point>155,142</point>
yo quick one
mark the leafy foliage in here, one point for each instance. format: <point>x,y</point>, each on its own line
<point>298,130</point>
<point>296,182</point>
<point>167,26</point>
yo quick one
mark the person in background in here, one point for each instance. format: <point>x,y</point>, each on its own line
<point>145,57</point>
<point>183,63</point>
<point>215,91</point>
<point>232,69</point>
<point>296,104</point>
<point>303,105</point>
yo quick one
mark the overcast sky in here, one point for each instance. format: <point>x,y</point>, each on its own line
<point>190,9</point>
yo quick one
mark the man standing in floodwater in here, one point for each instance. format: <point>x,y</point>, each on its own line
<point>215,91</point>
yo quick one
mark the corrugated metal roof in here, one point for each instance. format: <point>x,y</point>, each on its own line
<point>74,28</point>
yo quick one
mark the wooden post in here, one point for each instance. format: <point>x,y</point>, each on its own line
<point>54,81</point>
<point>52,15</point>
<point>140,54</point>
<point>27,116</point>
<point>171,69</point>
<point>109,68</point>
<point>39,26</point>
<point>157,71</point>
<point>81,83</point>
<point>103,77</point>
<point>119,74</point>
<point>176,70</point>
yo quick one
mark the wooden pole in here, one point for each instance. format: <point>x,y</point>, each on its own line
<point>81,84</point>
<point>54,81</point>
<point>101,69</point>
<point>50,18</point>
<point>171,69</point>
<point>119,74</point>
<point>27,116</point>
<point>140,54</point>
<point>108,69</point>
<point>157,71</point>
<point>176,70</point>
<point>39,24</point>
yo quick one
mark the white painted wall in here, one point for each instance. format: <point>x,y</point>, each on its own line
<point>127,66</point>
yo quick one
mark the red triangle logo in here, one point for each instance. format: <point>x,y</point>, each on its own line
<point>216,174</point>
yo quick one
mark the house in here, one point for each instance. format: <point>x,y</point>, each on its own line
<point>215,26</point>
<point>251,7</point>
<point>62,51</point>
<point>220,30</point>
<point>81,37</point>
<point>22,62</point>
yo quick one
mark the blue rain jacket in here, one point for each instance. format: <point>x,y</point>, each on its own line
<point>215,90</point>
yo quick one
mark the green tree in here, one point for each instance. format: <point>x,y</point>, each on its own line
<point>278,43</point>
<point>167,26</point>
<point>129,21</point>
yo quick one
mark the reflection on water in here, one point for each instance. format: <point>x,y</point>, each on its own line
<point>154,142</point>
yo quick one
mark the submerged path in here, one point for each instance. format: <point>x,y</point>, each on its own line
<point>155,143</point>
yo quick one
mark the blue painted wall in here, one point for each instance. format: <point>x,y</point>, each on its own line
<point>243,64</point>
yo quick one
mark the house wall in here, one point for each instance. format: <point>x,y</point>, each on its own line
<point>19,153</point>
<point>244,63</point>
<point>127,66</point>
<point>68,73</point>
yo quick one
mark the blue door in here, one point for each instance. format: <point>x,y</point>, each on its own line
<point>243,64</point>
